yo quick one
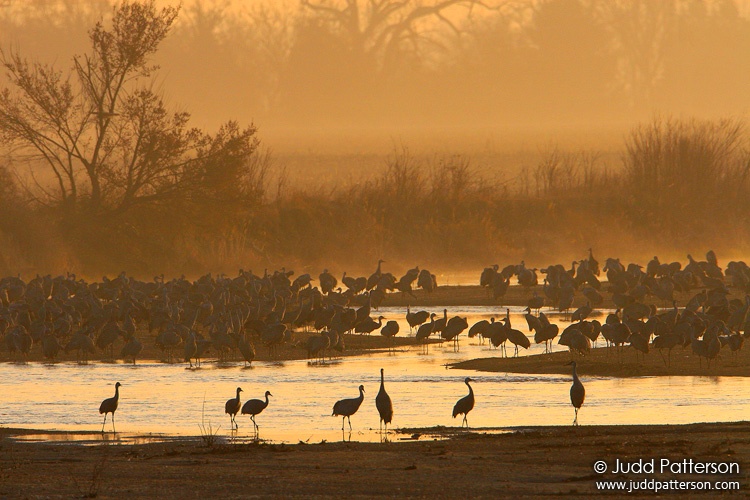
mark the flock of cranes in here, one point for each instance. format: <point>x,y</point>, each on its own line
<point>708,321</point>
<point>345,408</point>
<point>230,316</point>
<point>224,316</point>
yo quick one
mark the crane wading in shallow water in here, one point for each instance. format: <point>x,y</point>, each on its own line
<point>232,407</point>
<point>345,408</point>
<point>577,392</point>
<point>465,404</point>
<point>109,405</point>
<point>384,405</point>
<point>253,407</point>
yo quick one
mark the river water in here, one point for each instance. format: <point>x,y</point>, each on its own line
<point>172,400</point>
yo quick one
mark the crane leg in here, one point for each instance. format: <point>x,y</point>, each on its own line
<point>575,420</point>
<point>113,422</point>
<point>350,423</point>
<point>662,358</point>
<point>105,421</point>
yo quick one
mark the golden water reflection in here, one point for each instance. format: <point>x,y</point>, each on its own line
<point>170,400</point>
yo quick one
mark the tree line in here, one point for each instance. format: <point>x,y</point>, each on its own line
<point>426,62</point>
<point>100,173</point>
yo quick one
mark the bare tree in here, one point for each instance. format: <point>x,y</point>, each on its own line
<point>640,31</point>
<point>380,29</point>
<point>107,139</point>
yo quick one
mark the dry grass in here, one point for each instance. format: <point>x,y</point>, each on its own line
<point>680,182</point>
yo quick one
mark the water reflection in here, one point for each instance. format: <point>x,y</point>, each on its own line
<point>159,399</point>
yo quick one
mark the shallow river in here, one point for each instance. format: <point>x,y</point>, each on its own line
<point>170,399</point>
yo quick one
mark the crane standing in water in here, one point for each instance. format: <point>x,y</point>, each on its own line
<point>465,404</point>
<point>109,405</point>
<point>384,405</point>
<point>348,407</point>
<point>232,407</point>
<point>577,393</point>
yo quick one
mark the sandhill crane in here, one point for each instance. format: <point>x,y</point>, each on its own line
<point>82,344</point>
<point>593,296</point>
<point>425,330</point>
<point>345,408</point>
<point>535,303</point>
<point>232,407</point>
<point>582,312</point>
<point>273,335</point>
<point>498,334</point>
<point>131,349</point>
<point>639,342</point>
<point>453,329</point>
<point>440,323</point>
<point>350,283</point>
<point>577,393</point>
<point>383,404</point>
<point>191,349</point>
<point>465,404</point>
<point>565,299</point>
<point>535,324</point>
<point>368,325</point>
<point>487,278</point>
<point>593,263</point>
<point>390,330</point>
<point>327,282</point>
<point>426,281</point>
<point>109,405</point>
<point>518,339</point>
<point>416,319</point>
<point>375,277</point>
<point>247,349</point>
<point>666,341</point>
<point>548,333</point>
<point>107,337</point>
<point>500,287</point>
<point>480,328</point>
<point>317,345</point>
<point>734,342</point>
<point>167,341</point>
<point>50,346</point>
<point>575,340</point>
<point>253,407</point>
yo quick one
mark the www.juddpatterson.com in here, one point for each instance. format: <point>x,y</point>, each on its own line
<point>665,466</point>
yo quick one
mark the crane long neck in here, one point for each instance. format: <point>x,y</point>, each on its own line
<point>361,394</point>
<point>471,391</point>
<point>266,401</point>
<point>575,375</point>
<point>117,392</point>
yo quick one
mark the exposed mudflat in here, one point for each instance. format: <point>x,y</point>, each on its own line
<point>537,461</point>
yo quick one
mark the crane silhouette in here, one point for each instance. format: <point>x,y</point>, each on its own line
<point>465,404</point>
<point>384,405</point>
<point>232,407</point>
<point>109,405</point>
<point>345,408</point>
<point>577,392</point>
<point>253,407</point>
